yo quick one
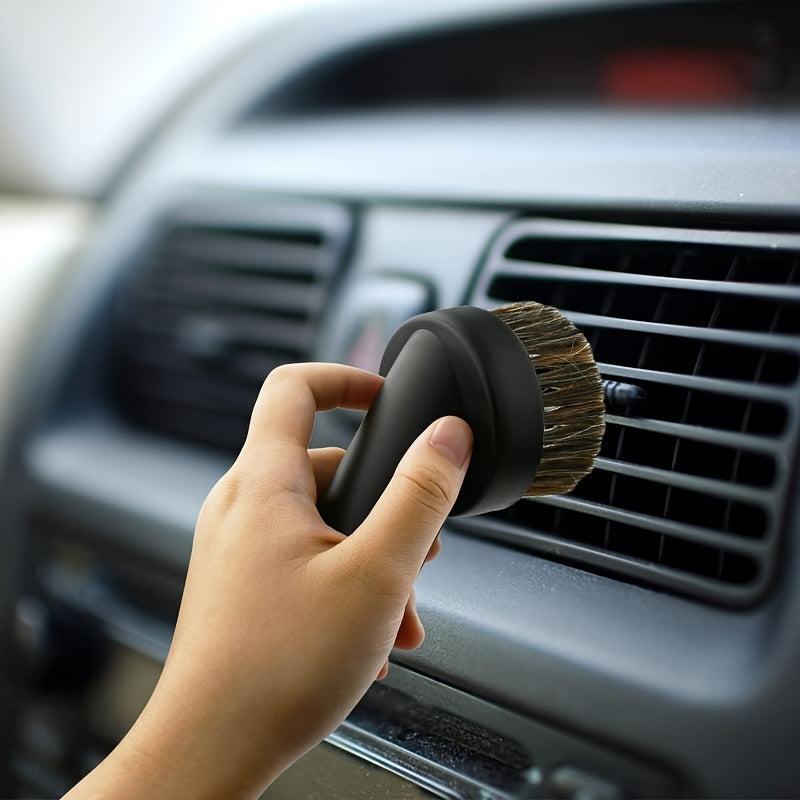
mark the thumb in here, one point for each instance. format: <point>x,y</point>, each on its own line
<point>409,514</point>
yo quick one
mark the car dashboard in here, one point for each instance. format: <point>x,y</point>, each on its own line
<point>634,164</point>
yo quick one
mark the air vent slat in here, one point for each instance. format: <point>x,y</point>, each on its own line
<point>680,480</point>
<point>156,352</point>
<point>225,249</point>
<point>646,522</point>
<point>698,383</point>
<point>179,328</point>
<point>213,306</point>
<point>604,560</point>
<point>189,391</point>
<point>752,340</point>
<point>224,288</point>
<point>589,275</point>
<point>690,489</point>
<point>695,433</point>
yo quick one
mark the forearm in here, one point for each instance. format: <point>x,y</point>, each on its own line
<point>185,746</point>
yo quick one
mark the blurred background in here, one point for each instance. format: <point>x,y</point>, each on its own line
<point>83,85</point>
<point>82,81</point>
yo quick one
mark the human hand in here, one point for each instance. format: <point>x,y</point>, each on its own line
<point>284,622</point>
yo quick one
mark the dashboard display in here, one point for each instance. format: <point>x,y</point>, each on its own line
<point>681,55</point>
<point>685,77</point>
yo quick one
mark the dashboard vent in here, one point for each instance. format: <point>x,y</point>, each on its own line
<point>219,296</point>
<point>690,490</point>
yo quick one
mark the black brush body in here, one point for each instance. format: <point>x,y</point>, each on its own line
<point>459,361</point>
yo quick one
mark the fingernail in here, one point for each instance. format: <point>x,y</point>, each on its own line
<point>453,439</point>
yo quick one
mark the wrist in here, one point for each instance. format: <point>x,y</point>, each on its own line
<point>199,734</point>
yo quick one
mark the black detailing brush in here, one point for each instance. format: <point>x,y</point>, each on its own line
<point>522,376</point>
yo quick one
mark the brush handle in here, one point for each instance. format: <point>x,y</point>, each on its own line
<point>461,361</point>
<point>419,388</point>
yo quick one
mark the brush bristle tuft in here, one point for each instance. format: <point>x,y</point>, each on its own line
<point>572,392</point>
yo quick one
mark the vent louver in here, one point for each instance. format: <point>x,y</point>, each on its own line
<point>690,488</point>
<point>218,297</point>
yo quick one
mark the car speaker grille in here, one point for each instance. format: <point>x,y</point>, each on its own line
<point>219,296</point>
<point>690,487</point>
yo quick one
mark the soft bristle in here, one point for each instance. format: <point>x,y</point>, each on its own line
<point>572,393</point>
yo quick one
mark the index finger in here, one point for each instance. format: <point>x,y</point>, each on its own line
<point>292,394</point>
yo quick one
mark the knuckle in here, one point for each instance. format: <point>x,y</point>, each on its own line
<point>221,499</point>
<point>226,492</point>
<point>429,488</point>
<point>281,374</point>
<point>227,489</point>
<point>238,487</point>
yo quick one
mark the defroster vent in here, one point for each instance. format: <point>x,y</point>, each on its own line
<point>691,488</point>
<point>219,296</point>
